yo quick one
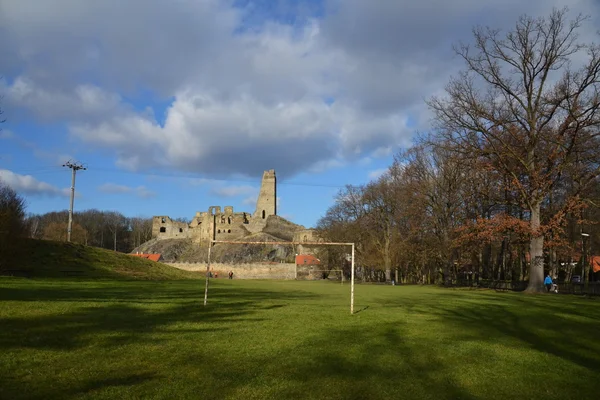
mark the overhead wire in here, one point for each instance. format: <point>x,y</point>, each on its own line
<point>91,169</point>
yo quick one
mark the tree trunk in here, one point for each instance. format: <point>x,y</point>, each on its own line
<point>388,256</point>
<point>115,240</point>
<point>536,253</point>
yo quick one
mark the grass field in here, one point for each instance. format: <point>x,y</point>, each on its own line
<point>288,340</point>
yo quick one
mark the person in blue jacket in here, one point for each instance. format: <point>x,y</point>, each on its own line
<point>548,283</point>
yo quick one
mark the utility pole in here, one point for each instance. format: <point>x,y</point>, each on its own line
<point>74,168</point>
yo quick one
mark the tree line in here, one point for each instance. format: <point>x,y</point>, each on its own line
<point>505,185</point>
<point>105,229</point>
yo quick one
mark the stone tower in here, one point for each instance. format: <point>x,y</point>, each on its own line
<point>267,199</point>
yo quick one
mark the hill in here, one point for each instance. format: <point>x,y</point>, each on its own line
<point>281,228</point>
<point>43,258</point>
<point>183,250</point>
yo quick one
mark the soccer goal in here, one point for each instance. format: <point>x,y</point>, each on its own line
<point>319,274</point>
<point>208,274</point>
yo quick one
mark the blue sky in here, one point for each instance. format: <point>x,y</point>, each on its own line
<point>175,106</point>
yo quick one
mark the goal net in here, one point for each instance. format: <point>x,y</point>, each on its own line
<point>309,274</point>
<point>300,271</point>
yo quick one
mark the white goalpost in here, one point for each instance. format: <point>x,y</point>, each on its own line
<point>212,241</point>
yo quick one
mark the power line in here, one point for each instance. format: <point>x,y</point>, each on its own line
<point>74,168</point>
<point>55,169</point>
<point>186,176</point>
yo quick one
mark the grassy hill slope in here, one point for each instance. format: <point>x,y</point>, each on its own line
<point>42,258</point>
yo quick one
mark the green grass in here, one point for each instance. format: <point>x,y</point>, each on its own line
<point>288,340</point>
<point>44,258</point>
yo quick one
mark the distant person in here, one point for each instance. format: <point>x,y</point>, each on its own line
<point>230,274</point>
<point>554,286</point>
<point>548,282</point>
<point>216,275</point>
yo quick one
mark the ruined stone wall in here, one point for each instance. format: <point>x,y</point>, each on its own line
<point>307,235</point>
<point>164,227</point>
<point>244,271</point>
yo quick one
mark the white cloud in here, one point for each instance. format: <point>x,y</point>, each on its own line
<point>233,191</point>
<point>38,152</point>
<point>6,134</point>
<point>200,181</point>
<point>375,174</point>
<point>242,99</point>
<point>113,188</point>
<point>250,200</point>
<point>27,184</point>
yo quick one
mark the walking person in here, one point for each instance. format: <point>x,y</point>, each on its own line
<point>548,283</point>
<point>230,274</point>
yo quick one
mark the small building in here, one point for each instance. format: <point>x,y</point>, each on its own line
<point>151,257</point>
<point>307,259</point>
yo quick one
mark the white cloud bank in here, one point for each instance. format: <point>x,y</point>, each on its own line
<point>113,188</point>
<point>28,185</point>
<point>329,89</point>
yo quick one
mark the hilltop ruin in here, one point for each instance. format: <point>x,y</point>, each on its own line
<point>229,225</point>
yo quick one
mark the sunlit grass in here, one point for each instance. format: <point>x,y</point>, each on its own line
<point>288,339</point>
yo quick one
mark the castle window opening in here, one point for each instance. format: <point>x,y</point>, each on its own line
<point>228,230</point>
<point>263,214</point>
<point>180,230</point>
<point>163,220</point>
<point>219,231</point>
<point>229,220</point>
<point>163,229</point>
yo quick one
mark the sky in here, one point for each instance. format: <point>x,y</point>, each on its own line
<point>178,105</point>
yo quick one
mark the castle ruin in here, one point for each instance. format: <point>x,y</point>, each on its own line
<point>222,225</point>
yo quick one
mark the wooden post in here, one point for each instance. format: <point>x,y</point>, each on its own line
<point>352,284</point>
<point>207,274</point>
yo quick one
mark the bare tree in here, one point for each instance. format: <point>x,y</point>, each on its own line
<point>116,223</point>
<point>439,181</point>
<point>141,230</point>
<point>520,106</point>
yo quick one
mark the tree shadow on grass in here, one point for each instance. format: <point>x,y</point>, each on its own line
<point>542,331</point>
<point>371,364</point>
<point>101,384</point>
<point>557,325</point>
<point>379,363</point>
<point>104,320</point>
<point>114,315</point>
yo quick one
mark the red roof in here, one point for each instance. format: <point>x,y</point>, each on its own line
<point>595,260</point>
<point>307,259</point>
<point>151,257</point>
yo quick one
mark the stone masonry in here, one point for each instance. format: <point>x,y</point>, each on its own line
<point>222,225</point>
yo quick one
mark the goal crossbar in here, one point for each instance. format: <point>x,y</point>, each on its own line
<point>213,241</point>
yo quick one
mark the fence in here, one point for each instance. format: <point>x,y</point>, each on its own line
<point>589,289</point>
